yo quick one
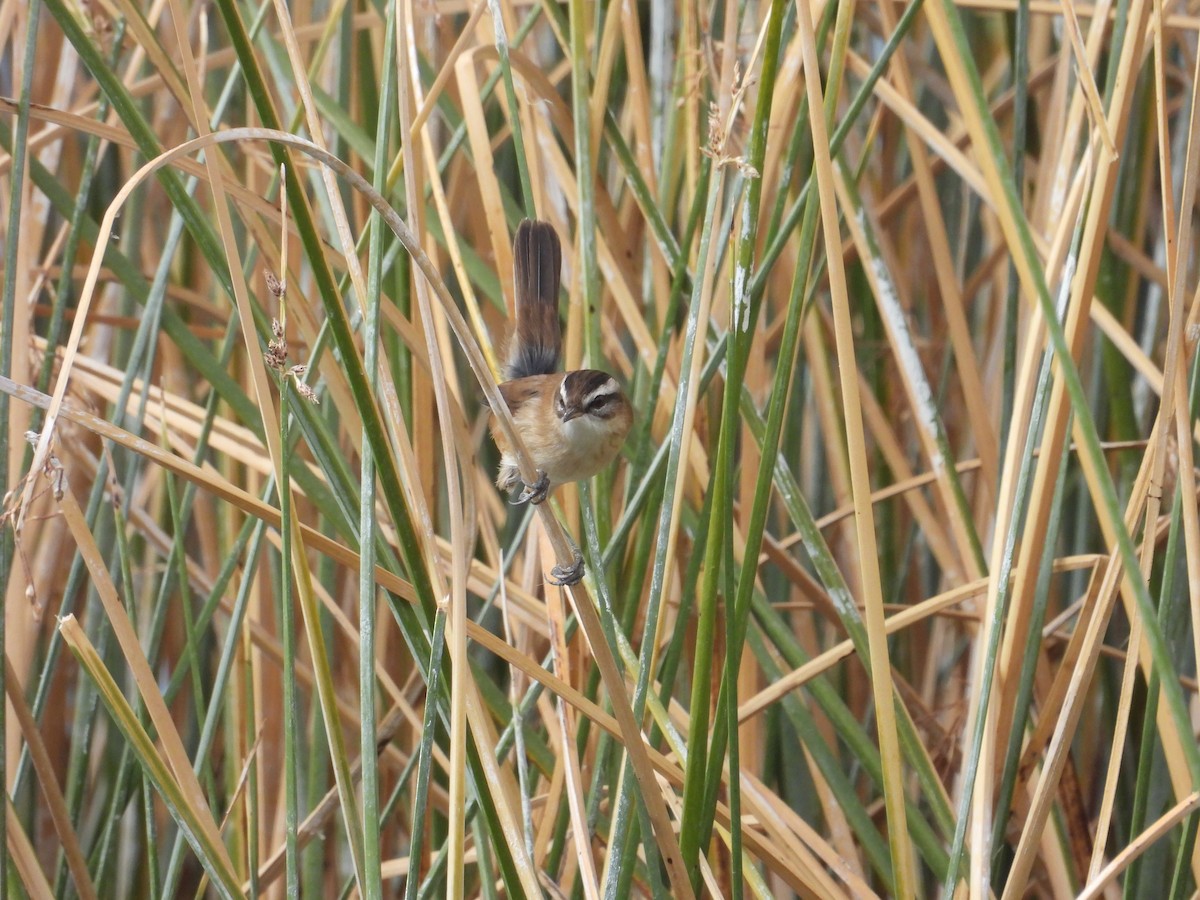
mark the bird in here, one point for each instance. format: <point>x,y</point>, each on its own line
<point>572,423</point>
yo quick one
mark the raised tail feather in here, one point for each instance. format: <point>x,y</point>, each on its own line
<point>537,267</point>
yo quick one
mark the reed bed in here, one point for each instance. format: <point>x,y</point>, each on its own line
<point>894,590</point>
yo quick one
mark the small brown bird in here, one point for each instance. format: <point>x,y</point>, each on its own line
<point>572,423</point>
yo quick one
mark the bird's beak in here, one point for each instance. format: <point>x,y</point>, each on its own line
<point>571,412</point>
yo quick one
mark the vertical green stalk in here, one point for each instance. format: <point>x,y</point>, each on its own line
<point>372,887</point>
<point>1012,300</point>
<point>693,833</point>
<point>585,178</point>
<point>1181,878</point>
<point>1025,684</point>
<point>287,628</point>
<point>185,602</point>
<point>428,730</point>
<point>143,789</point>
<point>150,829</point>
<point>248,736</point>
<point>17,182</point>
<point>581,81</point>
<point>1173,616</point>
<point>729,685</point>
<point>514,115</point>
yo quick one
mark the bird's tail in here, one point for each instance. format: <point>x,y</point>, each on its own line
<point>537,264</point>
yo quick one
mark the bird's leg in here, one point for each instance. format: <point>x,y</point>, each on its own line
<point>568,575</point>
<point>535,493</point>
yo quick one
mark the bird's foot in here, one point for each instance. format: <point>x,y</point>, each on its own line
<point>535,493</point>
<point>568,575</point>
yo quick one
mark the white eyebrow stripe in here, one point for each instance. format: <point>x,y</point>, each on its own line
<point>562,391</point>
<point>608,389</point>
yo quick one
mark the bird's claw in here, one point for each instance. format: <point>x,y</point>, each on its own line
<point>563,576</point>
<point>535,493</point>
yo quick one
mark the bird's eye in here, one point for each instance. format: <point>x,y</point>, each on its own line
<point>600,402</point>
